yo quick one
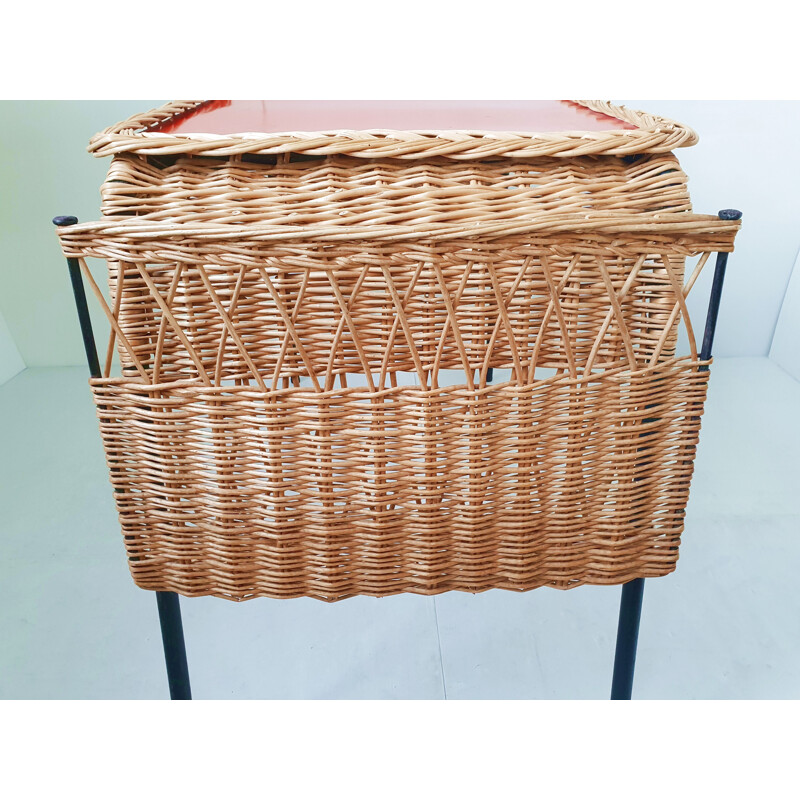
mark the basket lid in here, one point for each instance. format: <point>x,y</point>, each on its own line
<point>394,129</point>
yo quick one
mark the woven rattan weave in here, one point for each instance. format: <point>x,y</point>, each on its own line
<point>303,406</point>
<point>340,190</point>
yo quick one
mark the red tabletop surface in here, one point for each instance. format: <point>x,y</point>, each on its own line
<point>286,116</point>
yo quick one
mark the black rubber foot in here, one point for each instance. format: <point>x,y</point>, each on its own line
<point>63,221</point>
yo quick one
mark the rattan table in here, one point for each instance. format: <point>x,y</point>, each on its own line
<point>373,348</point>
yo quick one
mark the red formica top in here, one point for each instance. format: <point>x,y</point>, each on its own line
<point>405,129</point>
<point>272,116</point>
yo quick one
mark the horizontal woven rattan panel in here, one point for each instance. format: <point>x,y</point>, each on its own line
<point>338,190</point>
<point>232,492</point>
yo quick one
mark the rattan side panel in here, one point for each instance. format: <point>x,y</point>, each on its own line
<point>237,493</point>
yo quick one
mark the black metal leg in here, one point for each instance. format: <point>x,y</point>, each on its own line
<point>630,612</point>
<point>80,304</point>
<point>169,613</point>
<point>716,291</point>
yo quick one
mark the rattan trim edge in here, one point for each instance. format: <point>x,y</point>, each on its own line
<point>707,230</point>
<point>652,134</point>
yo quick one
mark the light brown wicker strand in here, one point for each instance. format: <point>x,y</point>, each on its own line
<point>613,312</point>
<point>167,314</point>
<point>231,311</point>
<point>673,316</point>
<point>286,343</point>
<point>367,370</point>
<point>162,326</point>
<point>551,304</point>
<point>555,298</point>
<point>680,299</point>
<point>388,350</point>
<point>617,311</point>
<point>403,321</point>
<point>450,325</point>
<point>503,315</point>
<point>116,293</point>
<point>290,327</point>
<point>115,327</point>
<point>230,329</point>
<point>330,374</point>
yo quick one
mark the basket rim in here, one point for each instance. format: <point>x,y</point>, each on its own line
<point>651,134</point>
<point>600,223</point>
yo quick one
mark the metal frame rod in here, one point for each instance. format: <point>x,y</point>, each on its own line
<point>80,304</point>
<point>716,292</point>
<point>630,614</point>
<point>83,315</point>
<point>169,615</point>
<point>630,608</point>
<point>713,307</point>
<point>169,610</point>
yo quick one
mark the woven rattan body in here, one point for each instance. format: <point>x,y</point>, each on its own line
<point>303,406</point>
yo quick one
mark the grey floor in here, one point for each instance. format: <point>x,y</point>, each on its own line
<point>726,624</point>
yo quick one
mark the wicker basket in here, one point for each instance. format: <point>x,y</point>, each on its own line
<point>306,323</point>
<point>264,440</point>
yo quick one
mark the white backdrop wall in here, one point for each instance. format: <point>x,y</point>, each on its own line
<point>10,360</point>
<point>45,171</point>
<point>747,158</point>
<point>785,349</point>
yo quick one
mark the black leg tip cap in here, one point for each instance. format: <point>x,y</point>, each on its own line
<point>63,221</point>
<point>730,213</point>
